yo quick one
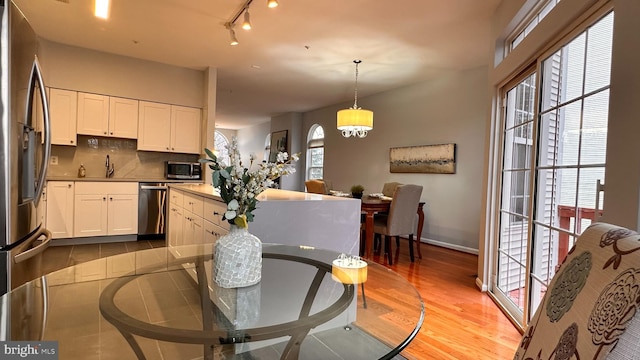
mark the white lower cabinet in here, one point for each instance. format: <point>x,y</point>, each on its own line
<point>213,232</point>
<point>175,225</point>
<point>90,215</point>
<point>103,209</point>
<point>194,219</point>
<point>192,232</point>
<point>60,208</point>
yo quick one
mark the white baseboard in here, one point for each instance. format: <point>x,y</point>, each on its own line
<point>481,286</point>
<point>450,246</point>
<point>93,240</point>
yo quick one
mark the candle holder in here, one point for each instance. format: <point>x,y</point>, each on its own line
<point>349,269</point>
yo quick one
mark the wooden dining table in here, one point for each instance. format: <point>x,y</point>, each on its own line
<point>370,206</point>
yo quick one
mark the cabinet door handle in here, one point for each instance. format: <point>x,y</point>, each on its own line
<point>105,133</point>
<point>111,198</point>
<point>104,198</point>
<point>69,186</point>
<point>112,133</point>
<point>71,141</point>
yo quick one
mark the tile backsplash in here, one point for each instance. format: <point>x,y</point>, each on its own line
<point>129,163</point>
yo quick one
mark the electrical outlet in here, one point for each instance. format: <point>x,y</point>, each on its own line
<point>53,160</point>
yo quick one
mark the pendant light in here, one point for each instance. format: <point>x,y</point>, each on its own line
<point>355,121</point>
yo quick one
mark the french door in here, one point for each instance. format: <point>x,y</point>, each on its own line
<point>554,132</point>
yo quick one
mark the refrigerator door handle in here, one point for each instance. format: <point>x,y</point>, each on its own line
<point>25,255</point>
<point>36,75</point>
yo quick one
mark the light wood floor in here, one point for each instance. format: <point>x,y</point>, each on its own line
<point>460,321</point>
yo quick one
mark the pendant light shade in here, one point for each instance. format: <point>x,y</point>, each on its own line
<point>355,121</point>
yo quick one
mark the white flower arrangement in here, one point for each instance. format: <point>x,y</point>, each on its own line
<point>239,186</point>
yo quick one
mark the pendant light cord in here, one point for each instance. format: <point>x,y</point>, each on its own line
<point>355,103</point>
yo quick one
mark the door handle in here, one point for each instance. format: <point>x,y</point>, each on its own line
<point>25,255</point>
<point>36,75</point>
<point>599,188</point>
<point>151,187</point>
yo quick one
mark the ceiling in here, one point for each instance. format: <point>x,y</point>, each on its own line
<point>298,56</point>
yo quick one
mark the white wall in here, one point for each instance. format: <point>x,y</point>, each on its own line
<point>448,109</point>
<point>74,68</point>
<point>292,122</point>
<point>251,140</point>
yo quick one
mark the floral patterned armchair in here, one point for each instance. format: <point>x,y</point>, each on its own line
<point>589,309</point>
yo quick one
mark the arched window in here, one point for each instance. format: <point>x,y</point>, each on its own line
<point>315,152</point>
<point>267,148</point>
<point>220,147</point>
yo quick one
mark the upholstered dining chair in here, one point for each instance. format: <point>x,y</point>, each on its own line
<point>316,186</point>
<point>401,219</point>
<point>590,308</point>
<point>389,188</point>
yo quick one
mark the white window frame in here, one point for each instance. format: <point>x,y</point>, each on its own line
<point>538,12</point>
<point>314,143</point>
<point>220,147</point>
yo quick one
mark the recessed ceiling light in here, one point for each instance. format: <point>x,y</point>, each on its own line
<point>256,67</point>
<point>101,8</point>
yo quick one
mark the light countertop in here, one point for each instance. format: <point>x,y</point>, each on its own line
<point>207,190</point>
<point>104,179</point>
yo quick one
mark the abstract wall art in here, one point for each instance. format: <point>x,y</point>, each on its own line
<point>435,159</point>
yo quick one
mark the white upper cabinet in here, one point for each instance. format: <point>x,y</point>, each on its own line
<point>93,114</point>
<point>169,128</point>
<point>63,107</point>
<point>102,115</point>
<point>185,129</point>
<point>154,126</point>
<point>123,118</point>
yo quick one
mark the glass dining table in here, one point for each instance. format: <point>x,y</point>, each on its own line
<point>162,304</point>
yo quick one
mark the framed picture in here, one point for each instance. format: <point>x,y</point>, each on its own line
<point>436,159</point>
<point>278,144</point>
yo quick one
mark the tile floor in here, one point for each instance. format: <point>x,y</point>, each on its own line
<point>58,257</point>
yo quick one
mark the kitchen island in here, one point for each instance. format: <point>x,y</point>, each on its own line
<point>282,216</point>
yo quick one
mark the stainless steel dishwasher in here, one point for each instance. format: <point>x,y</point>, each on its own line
<point>152,210</point>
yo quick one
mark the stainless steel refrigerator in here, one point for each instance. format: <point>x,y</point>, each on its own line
<point>25,144</point>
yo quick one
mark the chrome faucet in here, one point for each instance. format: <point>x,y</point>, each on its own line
<point>110,168</point>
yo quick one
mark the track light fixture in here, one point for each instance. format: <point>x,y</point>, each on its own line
<point>232,35</point>
<point>246,24</point>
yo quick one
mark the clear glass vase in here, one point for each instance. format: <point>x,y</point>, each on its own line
<point>237,259</point>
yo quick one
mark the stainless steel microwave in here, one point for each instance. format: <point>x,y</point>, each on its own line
<point>183,170</point>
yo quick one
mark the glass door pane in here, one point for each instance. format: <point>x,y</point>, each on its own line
<point>572,149</point>
<point>511,272</point>
<point>545,206</point>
